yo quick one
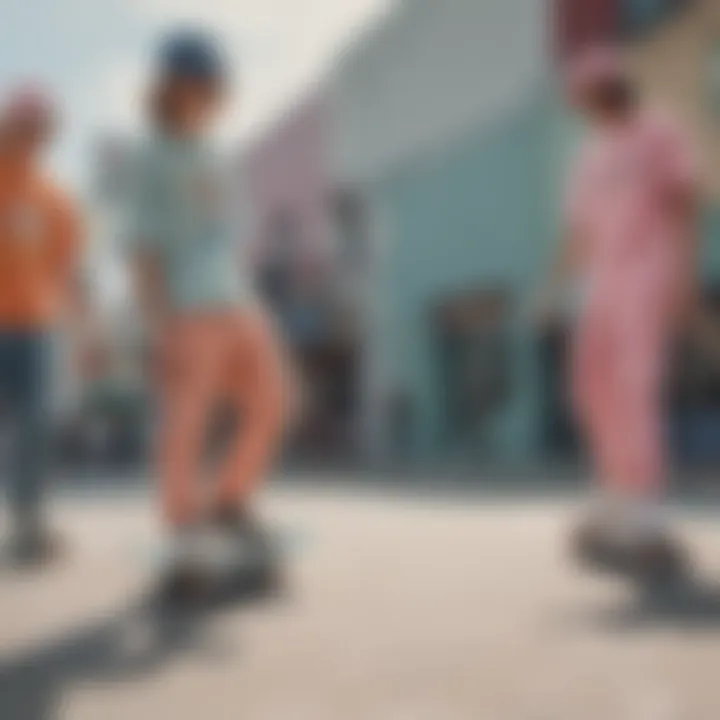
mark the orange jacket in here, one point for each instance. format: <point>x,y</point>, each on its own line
<point>39,248</point>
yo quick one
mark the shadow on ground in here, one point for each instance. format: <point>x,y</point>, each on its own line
<point>692,604</point>
<point>130,645</point>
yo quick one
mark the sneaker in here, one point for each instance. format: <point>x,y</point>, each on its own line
<point>593,547</point>
<point>184,586</point>
<point>654,558</point>
<point>186,579</point>
<point>243,525</point>
<point>35,547</point>
<point>658,559</point>
<point>258,557</point>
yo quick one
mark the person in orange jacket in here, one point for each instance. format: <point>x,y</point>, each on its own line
<point>40,252</point>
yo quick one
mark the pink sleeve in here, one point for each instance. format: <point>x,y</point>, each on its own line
<point>676,165</point>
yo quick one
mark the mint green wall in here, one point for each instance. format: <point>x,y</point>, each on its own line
<point>477,214</point>
<point>483,212</point>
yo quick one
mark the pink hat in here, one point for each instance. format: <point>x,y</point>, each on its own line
<point>593,67</point>
<point>29,103</point>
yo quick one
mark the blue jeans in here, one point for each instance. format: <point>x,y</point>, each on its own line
<point>24,405</point>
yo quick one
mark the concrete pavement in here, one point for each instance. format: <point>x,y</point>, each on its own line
<point>402,608</point>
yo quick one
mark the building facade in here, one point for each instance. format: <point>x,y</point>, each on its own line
<point>444,126</point>
<point>449,129</point>
<point>429,173</point>
<point>294,215</point>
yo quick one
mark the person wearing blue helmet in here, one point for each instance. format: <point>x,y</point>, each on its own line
<point>213,344</point>
<point>192,55</point>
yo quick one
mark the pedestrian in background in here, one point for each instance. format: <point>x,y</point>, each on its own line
<point>40,286</point>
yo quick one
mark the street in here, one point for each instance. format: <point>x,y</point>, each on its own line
<point>400,607</point>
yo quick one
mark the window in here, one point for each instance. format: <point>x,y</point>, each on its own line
<point>475,360</point>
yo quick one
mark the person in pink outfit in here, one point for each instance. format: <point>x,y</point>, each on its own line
<point>630,240</point>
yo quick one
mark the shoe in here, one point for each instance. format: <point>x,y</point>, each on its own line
<point>259,567</point>
<point>593,548</point>
<point>656,559</point>
<point>244,526</point>
<point>35,547</point>
<point>185,586</point>
<point>187,577</point>
<point>659,559</point>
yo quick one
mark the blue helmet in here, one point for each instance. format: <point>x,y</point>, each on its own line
<point>193,55</point>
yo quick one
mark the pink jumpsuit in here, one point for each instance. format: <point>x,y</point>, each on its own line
<point>625,205</point>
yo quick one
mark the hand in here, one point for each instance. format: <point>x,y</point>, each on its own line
<point>94,359</point>
<point>543,310</point>
<point>702,328</point>
<point>687,310</point>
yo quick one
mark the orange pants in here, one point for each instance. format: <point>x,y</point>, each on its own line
<point>208,359</point>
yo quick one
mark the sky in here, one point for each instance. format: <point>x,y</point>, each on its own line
<point>95,55</point>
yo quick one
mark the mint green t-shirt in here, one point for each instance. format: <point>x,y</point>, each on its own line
<point>181,212</point>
